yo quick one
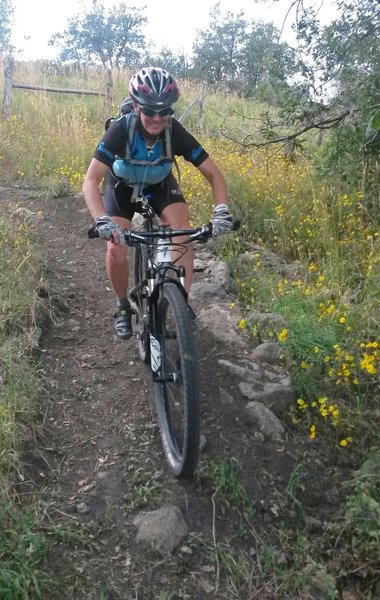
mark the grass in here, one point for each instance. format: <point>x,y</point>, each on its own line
<point>22,543</point>
<point>362,511</point>
<point>22,547</point>
<point>223,477</point>
<point>295,485</point>
<point>146,487</point>
<point>19,306</point>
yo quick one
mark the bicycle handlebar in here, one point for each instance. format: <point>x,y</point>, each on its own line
<point>143,237</point>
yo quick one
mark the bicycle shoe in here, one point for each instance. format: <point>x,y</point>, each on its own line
<point>122,323</point>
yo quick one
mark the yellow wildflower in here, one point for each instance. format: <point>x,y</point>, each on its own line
<point>367,364</point>
<point>279,210</point>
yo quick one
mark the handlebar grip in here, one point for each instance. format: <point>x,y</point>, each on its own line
<point>92,232</point>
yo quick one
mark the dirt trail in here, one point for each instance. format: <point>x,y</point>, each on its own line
<point>99,460</point>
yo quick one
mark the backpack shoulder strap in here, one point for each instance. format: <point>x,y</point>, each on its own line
<point>168,140</point>
<point>130,125</point>
<point>168,147</point>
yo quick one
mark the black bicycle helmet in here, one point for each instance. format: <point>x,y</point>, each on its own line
<point>153,87</point>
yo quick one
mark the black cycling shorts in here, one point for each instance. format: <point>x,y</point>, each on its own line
<point>117,197</point>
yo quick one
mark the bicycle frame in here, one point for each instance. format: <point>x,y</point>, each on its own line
<point>160,268</point>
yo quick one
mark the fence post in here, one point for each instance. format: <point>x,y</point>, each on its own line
<point>8,80</point>
<point>109,90</point>
<point>202,105</point>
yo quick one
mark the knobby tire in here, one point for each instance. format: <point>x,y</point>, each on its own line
<point>178,401</point>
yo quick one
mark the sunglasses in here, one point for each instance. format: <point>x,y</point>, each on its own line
<point>150,112</point>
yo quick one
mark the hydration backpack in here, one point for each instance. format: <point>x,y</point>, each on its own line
<point>137,171</point>
<point>126,107</point>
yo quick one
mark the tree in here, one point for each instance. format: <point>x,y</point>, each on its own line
<point>339,68</point>
<point>6,11</point>
<point>348,54</point>
<point>241,54</point>
<point>265,58</point>
<point>176,64</point>
<point>339,90</point>
<point>110,37</point>
<point>217,50</point>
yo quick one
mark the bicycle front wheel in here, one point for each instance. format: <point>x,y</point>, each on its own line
<point>177,393</point>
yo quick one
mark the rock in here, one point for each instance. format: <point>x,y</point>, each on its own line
<point>220,274</point>
<point>199,265</point>
<point>72,323</point>
<point>223,324</point>
<point>82,508</point>
<point>268,352</point>
<point>248,371</point>
<point>163,528</point>
<point>266,421</point>
<point>270,320</point>
<point>206,291</point>
<point>205,256</point>
<point>225,398</point>
<point>292,271</point>
<point>202,442</point>
<point>277,397</point>
<point>269,384</point>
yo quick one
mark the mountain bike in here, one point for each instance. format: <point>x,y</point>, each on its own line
<point>163,324</point>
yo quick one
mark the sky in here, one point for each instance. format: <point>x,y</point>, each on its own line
<point>171,23</point>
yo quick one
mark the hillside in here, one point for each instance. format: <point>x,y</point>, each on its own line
<point>263,515</point>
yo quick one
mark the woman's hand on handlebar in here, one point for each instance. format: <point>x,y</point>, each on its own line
<point>109,230</point>
<point>222,220</point>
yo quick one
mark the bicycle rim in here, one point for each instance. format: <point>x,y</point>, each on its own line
<point>177,395</point>
<point>141,323</point>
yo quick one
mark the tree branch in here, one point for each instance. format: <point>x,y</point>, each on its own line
<point>327,123</point>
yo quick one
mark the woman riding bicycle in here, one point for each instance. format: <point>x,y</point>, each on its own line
<point>136,152</point>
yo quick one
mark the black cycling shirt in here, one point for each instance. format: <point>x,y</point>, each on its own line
<point>113,143</point>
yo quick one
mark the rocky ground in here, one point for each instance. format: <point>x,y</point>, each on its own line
<point>120,525</point>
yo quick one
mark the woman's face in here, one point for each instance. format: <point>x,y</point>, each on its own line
<point>154,124</point>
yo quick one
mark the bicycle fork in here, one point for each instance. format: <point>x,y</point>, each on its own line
<point>157,339</point>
